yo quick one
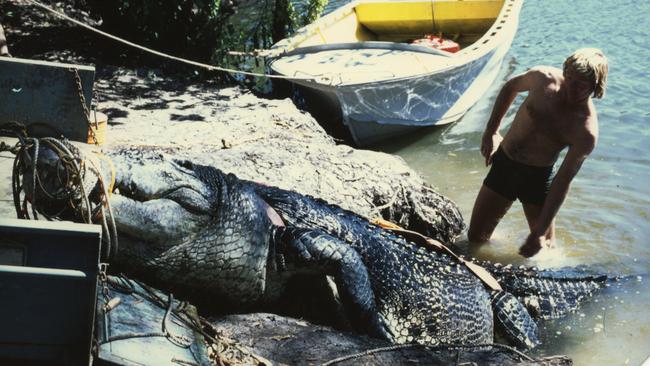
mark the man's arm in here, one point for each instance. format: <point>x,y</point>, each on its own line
<point>520,83</point>
<point>573,160</point>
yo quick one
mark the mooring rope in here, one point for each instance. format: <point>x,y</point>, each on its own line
<point>398,347</point>
<point>162,54</point>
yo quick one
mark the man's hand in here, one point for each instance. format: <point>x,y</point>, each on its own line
<point>534,243</point>
<point>489,145</point>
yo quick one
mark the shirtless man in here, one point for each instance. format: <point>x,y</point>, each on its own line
<point>557,113</point>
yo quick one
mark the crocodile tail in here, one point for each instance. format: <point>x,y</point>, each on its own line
<point>514,321</point>
<point>548,294</point>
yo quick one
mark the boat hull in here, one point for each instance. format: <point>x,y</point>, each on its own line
<point>376,113</point>
<point>381,109</point>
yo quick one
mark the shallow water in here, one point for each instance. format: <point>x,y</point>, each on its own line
<point>604,222</point>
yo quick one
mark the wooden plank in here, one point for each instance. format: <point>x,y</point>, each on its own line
<point>44,96</point>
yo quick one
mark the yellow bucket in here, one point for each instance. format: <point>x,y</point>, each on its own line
<point>97,128</point>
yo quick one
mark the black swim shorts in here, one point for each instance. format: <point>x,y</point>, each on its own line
<point>514,180</point>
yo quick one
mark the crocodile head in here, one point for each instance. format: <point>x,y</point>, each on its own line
<point>182,227</point>
<point>153,197</point>
<point>158,199</point>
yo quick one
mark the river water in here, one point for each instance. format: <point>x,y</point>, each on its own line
<point>604,223</point>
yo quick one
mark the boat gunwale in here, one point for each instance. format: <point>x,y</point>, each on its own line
<point>379,45</point>
<point>484,45</point>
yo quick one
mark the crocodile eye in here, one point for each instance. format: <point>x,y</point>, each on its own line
<point>185,164</point>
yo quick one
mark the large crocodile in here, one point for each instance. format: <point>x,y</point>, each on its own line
<point>196,229</point>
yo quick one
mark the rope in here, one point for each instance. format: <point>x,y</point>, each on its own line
<point>133,335</point>
<point>162,54</point>
<point>369,352</point>
<point>70,193</point>
<point>13,128</point>
<point>124,285</point>
<point>180,341</point>
<point>108,161</point>
<point>484,275</point>
<point>416,345</point>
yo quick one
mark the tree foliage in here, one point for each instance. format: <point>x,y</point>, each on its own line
<point>191,28</point>
<point>202,30</point>
<point>283,18</point>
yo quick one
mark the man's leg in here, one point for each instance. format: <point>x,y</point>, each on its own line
<point>489,209</point>
<point>532,213</point>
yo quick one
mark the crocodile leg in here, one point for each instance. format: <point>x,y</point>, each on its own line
<point>514,320</point>
<point>331,256</point>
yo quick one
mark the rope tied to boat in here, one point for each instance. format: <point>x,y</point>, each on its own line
<point>270,53</point>
<point>70,186</point>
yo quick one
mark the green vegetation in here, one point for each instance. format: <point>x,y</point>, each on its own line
<point>202,29</point>
<point>187,28</point>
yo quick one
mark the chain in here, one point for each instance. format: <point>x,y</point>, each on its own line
<point>103,279</point>
<point>94,105</point>
<point>82,100</point>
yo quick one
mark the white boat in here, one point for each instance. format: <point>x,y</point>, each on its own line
<point>360,62</point>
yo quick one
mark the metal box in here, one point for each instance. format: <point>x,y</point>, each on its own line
<point>44,96</point>
<point>48,289</point>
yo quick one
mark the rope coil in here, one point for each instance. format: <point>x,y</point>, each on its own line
<point>71,189</point>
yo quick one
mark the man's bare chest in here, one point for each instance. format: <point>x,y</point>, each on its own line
<point>550,117</point>
<point>549,123</point>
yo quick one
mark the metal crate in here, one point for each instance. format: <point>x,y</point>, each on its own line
<point>48,284</point>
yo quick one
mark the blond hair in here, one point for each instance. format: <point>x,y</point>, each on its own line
<point>592,63</point>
